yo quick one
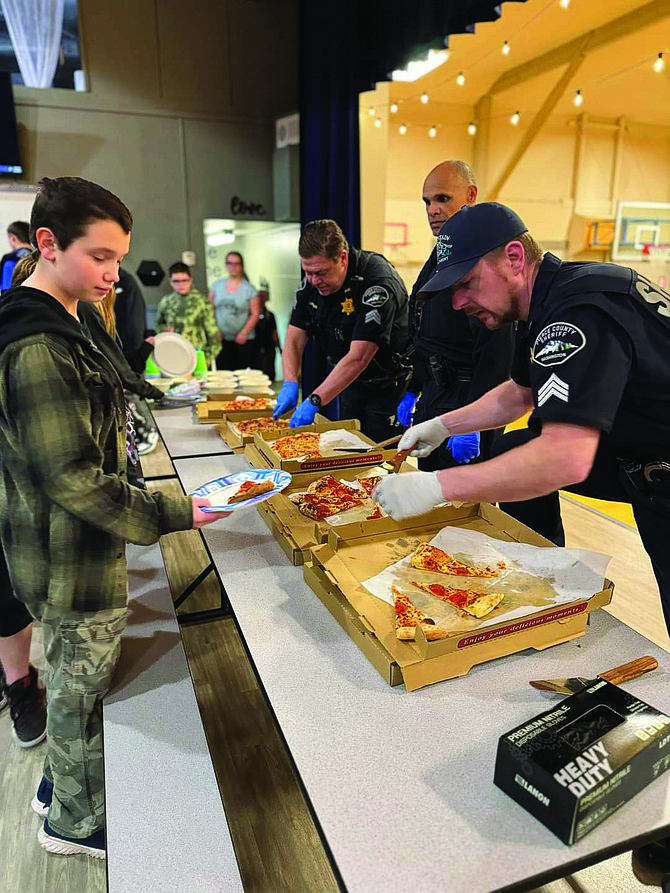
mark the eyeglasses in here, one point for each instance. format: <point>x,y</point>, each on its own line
<point>180,281</point>
<point>234,263</point>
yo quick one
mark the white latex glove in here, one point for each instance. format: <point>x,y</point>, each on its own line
<point>424,437</point>
<point>404,495</point>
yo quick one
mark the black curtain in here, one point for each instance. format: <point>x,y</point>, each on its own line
<point>346,48</point>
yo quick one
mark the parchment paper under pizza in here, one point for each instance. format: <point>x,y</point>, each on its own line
<point>501,580</point>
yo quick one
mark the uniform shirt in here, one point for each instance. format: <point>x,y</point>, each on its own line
<point>232,308</point>
<point>130,311</point>
<point>370,306</point>
<point>595,352</point>
<point>439,330</point>
<point>8,265</point>
<point>191,316</point>
<point>66,509</point>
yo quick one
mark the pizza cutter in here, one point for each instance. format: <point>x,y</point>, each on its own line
<point>616,676</point>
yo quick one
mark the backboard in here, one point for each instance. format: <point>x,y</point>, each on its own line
<point>642,232</point>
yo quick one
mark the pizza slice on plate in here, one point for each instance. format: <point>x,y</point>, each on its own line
<point>479,604</point>
<point>430,558</point>
<point>407,616</point>
<point>250,489</point>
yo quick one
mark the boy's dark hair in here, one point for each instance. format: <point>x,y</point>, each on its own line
<point>179,267</point>
<point>21,230</point>
<point>66,206</point>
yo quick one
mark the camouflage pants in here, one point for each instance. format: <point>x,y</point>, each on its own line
<point>81,651</point>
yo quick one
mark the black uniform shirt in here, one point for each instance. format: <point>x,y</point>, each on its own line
<point>370,306</point>
<point>439,330</point>
<point>596,352</point>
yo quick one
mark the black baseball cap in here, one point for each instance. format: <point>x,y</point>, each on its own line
<point>467,236</point>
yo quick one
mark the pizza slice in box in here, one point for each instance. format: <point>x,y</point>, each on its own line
<point>408,616</point>
<point>327,497</point>
<point>294,445</point>
<point>479,604</point>
<point>430,558</point>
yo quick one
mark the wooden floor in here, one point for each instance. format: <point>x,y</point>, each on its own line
<point>275,839</point>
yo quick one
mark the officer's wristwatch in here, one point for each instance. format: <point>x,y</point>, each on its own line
<point>315,400</point>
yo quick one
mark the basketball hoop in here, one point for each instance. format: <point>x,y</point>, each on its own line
<point>656,252</point>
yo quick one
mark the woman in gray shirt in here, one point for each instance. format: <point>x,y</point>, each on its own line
<point>238,308</point>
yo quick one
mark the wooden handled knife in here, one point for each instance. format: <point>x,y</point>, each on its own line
<point>616,676</point>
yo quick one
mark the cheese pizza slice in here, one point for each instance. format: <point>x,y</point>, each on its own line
<point>294,445</point>
<point>479,604</point>
<point>430,558</point>
<point>407,616</point>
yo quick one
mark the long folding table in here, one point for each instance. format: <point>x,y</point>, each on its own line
<point>400,784</point>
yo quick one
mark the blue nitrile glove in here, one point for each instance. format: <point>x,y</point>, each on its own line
<point>287,399</point>
<point>405,408</point>
<point>464,447</point>
<point>304,414</point>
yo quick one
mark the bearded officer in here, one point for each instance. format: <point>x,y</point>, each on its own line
<point>590,363</point>
<point>455,358</point>
<point>354,305</point>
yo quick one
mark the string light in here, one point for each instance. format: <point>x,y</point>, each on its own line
<point>393,108</point>
<point>378,122</point>
<point>424,97</point>
<point>505,48</point>
<point>472,128</point>
<point>371,111</point>
<point>460,79</point>
<point>577,99</point>
<point>432,132</point>
<point>402,130</point>
<point>516,117</point>
<point>659,63</point>
<point>564,3</point>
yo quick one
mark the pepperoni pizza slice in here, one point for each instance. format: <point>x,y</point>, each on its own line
<point>250,489</point>
<point>327,497</point>
<point>430,558</point>
<point>408,616</point>
<point>479,604</point>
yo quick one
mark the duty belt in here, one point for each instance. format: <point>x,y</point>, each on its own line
<point>441,371</point>
<point>651,478</point>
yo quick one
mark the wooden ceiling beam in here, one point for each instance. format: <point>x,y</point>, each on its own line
<point>624,26</point>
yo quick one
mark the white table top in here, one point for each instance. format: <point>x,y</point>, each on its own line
<point>166,826</point>
<point>183,434</point>
<point>348,732</point>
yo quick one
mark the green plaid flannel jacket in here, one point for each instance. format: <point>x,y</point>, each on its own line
<point>66,510</point>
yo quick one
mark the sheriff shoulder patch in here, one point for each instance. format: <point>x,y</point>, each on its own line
<point>375,296</point>
<point>556,343</point>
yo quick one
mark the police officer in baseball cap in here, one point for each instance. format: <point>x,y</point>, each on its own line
<point>590,364</point>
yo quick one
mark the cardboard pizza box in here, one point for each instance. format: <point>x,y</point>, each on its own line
<point>211,411</point>
<point>295,532</point>
<point>264,444</point>
<point>237,441</point>
<point>357,552</point>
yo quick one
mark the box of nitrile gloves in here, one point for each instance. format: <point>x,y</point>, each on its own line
<point>574,765</point>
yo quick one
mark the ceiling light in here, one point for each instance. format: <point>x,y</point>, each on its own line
<point>578,99</point>
<point>516,117</point>
<point>472,128</point>
<point>417,69</point>
<point>378,122</point>
<point>659,63</point>
<point>460,79</point>
<point>402,130</point>
<point>224,238</point>
<point>432,132</point>
<point>505,48</point>
<point>393,108</point>
<point>424,97</point>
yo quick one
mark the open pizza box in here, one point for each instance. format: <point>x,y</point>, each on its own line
<point>357,552</point>
<point>294,531</point>
<point>329,462</point>
<point>210,411</point>
<point>237,440</point>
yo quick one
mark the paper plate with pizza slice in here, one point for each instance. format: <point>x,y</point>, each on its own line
<point>242,489</point>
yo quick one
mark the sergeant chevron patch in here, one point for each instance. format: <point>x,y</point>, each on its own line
<point>373,316</point>
<point>553,387</point>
